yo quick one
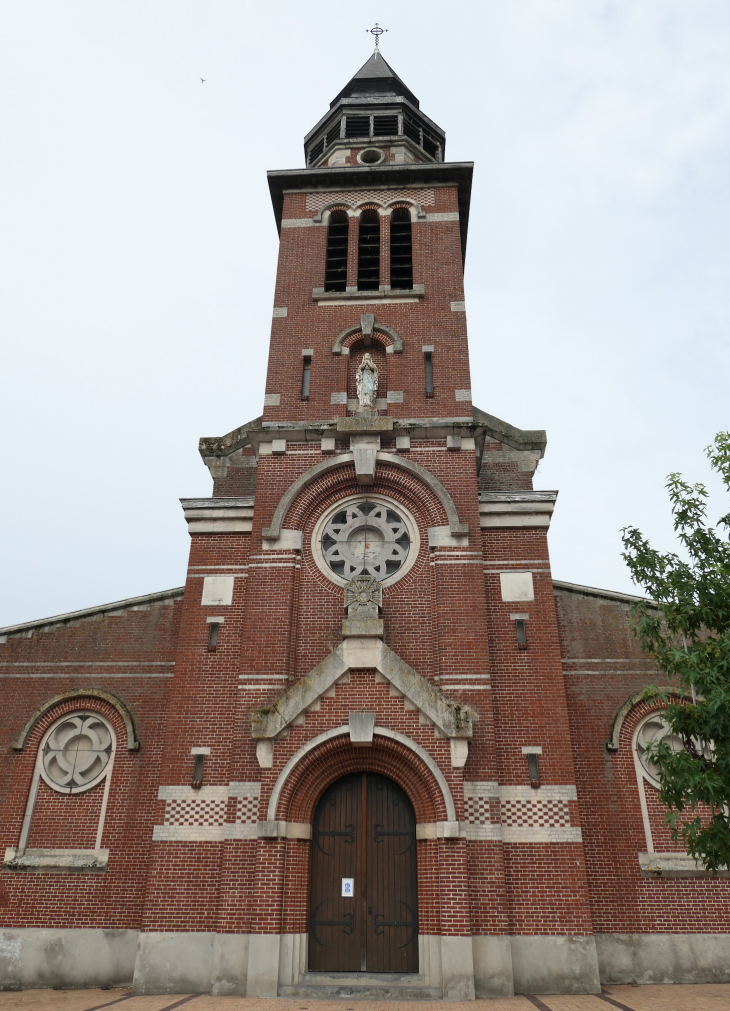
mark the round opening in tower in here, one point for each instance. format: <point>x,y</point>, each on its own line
<point>365,536</point>
<point>371,156</point>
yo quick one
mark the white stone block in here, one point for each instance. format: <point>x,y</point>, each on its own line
<point>288,540</point>
<point>361,728</point>
<point>458,306</point>
<point>441,537</point>
<point>403,442</point>
<point>338,398</point>
<point>395,396</point>
<point>280,311</point>
<point>217,590</point>
<point>462,394</point>
<point>265,754</point>
<point>328,444</point>
<point>278,446</point>
<point>459,752</point>
<point>272,399</point>
<point>517,586</point>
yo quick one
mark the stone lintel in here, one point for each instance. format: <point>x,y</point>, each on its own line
<point>363,627</point>
<point>354,425</point>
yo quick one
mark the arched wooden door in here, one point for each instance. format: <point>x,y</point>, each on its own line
<point>363,843</point>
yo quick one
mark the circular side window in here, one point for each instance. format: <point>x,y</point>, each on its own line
<point>365,535</point>
<point>76,752</point>
<point>652,730</point>
<point>371,156</point>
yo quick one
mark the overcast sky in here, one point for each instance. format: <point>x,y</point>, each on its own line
<point>138,253</point>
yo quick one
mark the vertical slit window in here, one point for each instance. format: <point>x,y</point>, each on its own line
<point>306,373</point>
<point>368,259</point>
<point>428,372</point>
<point>401,249</point>
<point>213,636</point>
<point>335,278</point>
<point>198,766</point>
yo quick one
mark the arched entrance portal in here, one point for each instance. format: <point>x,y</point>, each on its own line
<point>363,905</point>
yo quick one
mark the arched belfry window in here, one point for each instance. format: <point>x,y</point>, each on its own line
<point>335,278</point>
<point>401,249</point>
<point>368,260</point>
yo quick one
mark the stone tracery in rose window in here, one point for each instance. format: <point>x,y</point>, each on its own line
<point>367,538</point>
<point>77,752</point>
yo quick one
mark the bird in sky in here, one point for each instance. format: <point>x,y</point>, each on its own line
<point>203,80</point>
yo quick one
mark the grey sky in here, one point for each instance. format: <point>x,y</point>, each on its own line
<point>138,253</point>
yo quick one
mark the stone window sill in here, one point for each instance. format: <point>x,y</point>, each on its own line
<point>70,861</point>
<point>674,865</point>
<point>413,294</point>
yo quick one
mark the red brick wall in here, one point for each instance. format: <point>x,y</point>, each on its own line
<point>604,667</point>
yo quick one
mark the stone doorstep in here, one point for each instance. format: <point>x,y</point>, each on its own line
<point>362,986</point>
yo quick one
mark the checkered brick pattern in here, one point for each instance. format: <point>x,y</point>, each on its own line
<point>537,814</point>
<point>316,201</point>
<point>192,815</point>
<point>481,803</point>
<point>247,802</point>
<point>201,812</point>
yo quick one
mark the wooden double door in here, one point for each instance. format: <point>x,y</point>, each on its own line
<point>363,912</point>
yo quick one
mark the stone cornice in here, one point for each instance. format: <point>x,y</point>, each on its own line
<point>480,426</point>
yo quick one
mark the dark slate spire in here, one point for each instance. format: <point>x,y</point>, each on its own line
<point>375,119</point>
<point>375,78</point>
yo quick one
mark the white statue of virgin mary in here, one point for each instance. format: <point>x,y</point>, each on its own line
<point>367,381</point>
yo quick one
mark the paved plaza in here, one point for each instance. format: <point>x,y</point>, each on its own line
<point>704,997</point>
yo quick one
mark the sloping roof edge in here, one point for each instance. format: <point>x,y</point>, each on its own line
<point>593,591</point>
<point>89,612</point>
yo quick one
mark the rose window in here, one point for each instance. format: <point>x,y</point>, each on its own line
<point>653,730</point>
<point>365,538</point>
<point>77,752</point>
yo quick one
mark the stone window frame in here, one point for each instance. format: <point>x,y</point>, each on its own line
<point>24,858</point>
<point>653,864</point>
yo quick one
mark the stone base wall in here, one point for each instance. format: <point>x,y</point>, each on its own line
<point>257,965</point>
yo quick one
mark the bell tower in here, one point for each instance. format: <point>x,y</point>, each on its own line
<point>373,237</point>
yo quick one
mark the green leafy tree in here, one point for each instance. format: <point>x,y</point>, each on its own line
<point>687,631</point>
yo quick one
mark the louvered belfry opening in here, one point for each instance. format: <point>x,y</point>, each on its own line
<point>401,249</point>
<point>368,259</point>
<point>335,278</point>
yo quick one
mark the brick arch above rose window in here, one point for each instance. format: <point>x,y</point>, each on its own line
<point>69,701</point>
<point>646,706</point>
<point>431,483</point>
<point>326,758</point>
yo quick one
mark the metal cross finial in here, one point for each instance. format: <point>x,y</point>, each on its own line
<point>377,32</point>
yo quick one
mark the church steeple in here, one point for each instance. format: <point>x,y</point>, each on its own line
<point>375,119</point>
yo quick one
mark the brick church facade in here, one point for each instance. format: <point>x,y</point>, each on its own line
<point>371,748</point>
